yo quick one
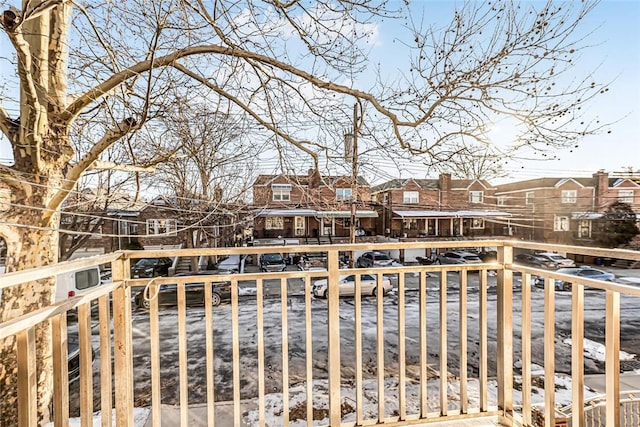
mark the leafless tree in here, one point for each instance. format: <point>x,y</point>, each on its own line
<point>209,177</point>
<point>114,66</point>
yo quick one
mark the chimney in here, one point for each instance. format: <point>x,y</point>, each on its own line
<point>601,184</point>
<point>314,178</point>
<point>444,183</point>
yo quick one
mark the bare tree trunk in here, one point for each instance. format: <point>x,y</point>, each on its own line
<point>35,247</point>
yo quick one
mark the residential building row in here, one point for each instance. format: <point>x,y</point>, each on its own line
<point>314,208</point>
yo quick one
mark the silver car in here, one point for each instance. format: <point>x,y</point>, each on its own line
<point>559,260</point>
<point>374,259</point>
<point>347,285</point>
<point>458,257</point>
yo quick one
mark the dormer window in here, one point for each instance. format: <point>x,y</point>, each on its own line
<point>281,192</point>
<point>476,196</point>
<point>410,197</point>
<point>569,196</point>
<point>343,194</point>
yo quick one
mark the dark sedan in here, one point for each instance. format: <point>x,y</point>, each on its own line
<point>151,267</point>
<point>194,293</point>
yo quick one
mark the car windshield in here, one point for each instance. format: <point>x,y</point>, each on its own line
<point>381,257</point>
<point>556,257</point>
<point>272,257</point>
<point>568,271</point>
<point>144,262</point>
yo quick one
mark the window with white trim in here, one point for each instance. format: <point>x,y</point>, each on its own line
<point>410,224</point>
<point>528,197</point>
<point>274,223</point>
<point>281,192</point>
<point>476,196</point>
<point>584,228</point>
<point>569,196</point>
<point>561,223</point>
<point>343,194</point>
<point>165,227</point>
<point>477,223</point>
<point>299,223</point>
<point>502,200</point>
<point>625,196</point>
<point>410,197</point>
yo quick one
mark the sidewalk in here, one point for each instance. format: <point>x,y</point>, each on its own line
<point>197,416</point>
<point>628,382</point>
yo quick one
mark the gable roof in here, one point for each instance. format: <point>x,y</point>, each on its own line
<point>399,183</point>
<point>304,180</point>
<point>539,183</point>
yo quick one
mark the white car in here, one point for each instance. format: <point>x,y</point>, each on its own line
<point>559,260</point>
<point>347,285</point>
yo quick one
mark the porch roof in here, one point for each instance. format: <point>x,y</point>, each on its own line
<point>450,214</point>
<point>317,214</point>
<point>347,214</point>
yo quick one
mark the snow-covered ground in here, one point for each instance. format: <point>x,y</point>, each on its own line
<point>295,312</point>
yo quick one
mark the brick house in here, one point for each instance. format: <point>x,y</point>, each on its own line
<point>562,210</point>
<point>442,207</point>
<point>310,206</point>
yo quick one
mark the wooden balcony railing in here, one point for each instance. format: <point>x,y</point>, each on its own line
<point>441,347</point>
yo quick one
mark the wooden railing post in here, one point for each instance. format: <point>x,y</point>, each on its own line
<point>505,333</point>
<point>122,345</point>
<point>334,338</point>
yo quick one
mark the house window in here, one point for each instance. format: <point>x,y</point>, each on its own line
<point>274,223</point>
<point>584,228</point>
<point>281,192</point>
<point>569,196</point>
<point>561,223</point>
<point>477,223</point>
<point>476,197</point>
<point>410,197</point>
<point>299,223</point>
<point>343,194</point>
<point>625,196</point>
<point>158,227</point>
<point>410,224</point>
<point>528,198</point>
<point>502,200</point>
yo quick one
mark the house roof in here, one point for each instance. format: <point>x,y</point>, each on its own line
<point>398,183</point>
<point>449,214</point>
<point>541,183</point>
<point>304,180</point>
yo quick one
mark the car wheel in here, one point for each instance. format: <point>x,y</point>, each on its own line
<point>215,299</point>
<point>325,294</point>
<point>438,262</point>
<point>375,291</point>
<point>566,287</point>
<point>144,303</point>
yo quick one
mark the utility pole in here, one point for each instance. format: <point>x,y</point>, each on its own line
<point>351,151</point>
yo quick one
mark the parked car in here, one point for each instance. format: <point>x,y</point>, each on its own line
<point>374,259</point>
<point>558,259</point>
<point>194,292</point>
<point>73,355</point>
<point>585,271</point>
<point>458,257</point>
<point>347,285</point>
<point>231,264</point>
<point>272,262</point>
<point>534,261</point>
<point>151,267</point>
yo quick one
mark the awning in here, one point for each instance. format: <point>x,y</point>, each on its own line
<point>586,215</point>
<point>346,214</point>
<point>482,214</point>
<point>425,214</point>
<point>453,214</point>
<point>287,212</point>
